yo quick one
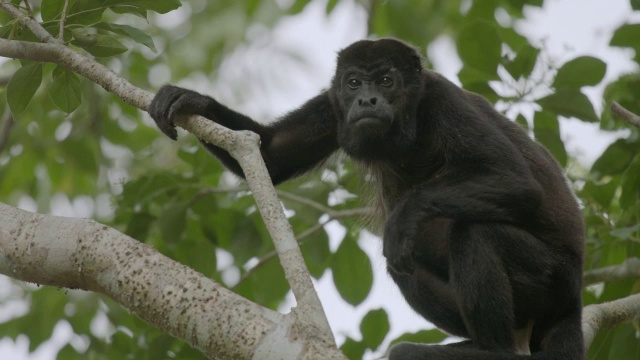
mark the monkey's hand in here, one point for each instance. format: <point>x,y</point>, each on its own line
<point>171,101</point>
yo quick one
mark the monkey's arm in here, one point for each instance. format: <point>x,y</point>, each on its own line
<point>290,146</point>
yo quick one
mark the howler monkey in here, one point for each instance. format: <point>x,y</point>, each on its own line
<point>482,234</point>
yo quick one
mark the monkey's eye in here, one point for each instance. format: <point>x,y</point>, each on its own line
<point>354,83</point>
<point>386,81</point>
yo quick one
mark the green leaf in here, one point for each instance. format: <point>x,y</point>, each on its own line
<point>482,9</point>
<point>160,347</point>
<point>50,10</point>
<point>581,71</point>
<point>247,240</point>
<point>161,7</point>
<point>65,89</point>
<point>149,188</point>
<point>624,91</point>
<point>479,46</point>
<point>122,343</point>
<point>84,12</point>
<point>198,253</point>
<point>297,7</point>
<point>478,82</point>
<point>423,336</point>
<point>522,121</point>
<point>354,350</point>
<point>132,33</point>
<point>104,46</point>
<point>83,152</point>
<point>374,328</point>
<point>512,38</point>
<point>523,64</point>
<point>266,286</point>
<point>569,103</point>
<point>68,352</point>
<point>602,193</point>
<point>635,4</point>
<point>317,254</point>
<point>547,131</point>
<point>615,158</point>
<point>251,6</point>
<point>331,4</point>
<point>625,344</point>
<point>173,221</point>
<point>626,35</point>
<point>133,10</point>
<point>23,85</point>
<point>46,308</point>
<point>352,273</point>
<point>630,184</point>
<point>139,225</point>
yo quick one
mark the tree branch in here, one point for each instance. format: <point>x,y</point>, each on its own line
<point>82,254</point>
<point>270,255</point>
<point>26,20</point>
<point>625,114</point>
<point>27,5</point>
<point>242,145</point>
<point>324,209</point>
<point>6,125</point>
<point>63,19</point>
<point>598,317</point>
<point>628,269</point>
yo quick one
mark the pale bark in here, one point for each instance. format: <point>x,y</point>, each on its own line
<point>625,114</point>
<point>603,316</point>
<point>630,268</point>
<point>83,254</point>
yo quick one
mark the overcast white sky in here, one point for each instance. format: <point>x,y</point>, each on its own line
<point>569,27</point>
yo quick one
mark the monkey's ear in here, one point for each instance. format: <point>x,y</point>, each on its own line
<point>418,62</point>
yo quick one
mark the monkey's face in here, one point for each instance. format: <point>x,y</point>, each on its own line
<point>368,98</point>
<point>376,89</point>
<point>367,103</point>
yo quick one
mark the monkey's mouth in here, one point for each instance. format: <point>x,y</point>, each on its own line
<point>371,123</point>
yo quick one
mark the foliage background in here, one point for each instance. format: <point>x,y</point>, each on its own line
<point>75,150</point>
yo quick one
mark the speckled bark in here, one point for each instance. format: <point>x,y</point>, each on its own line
<point>83,254</point>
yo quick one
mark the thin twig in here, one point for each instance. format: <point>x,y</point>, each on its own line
<point>63,19</point>
<point>630,268</point>
<point>272,254</point>
<point>625,114</point>
<point>29,23</point>
<point>28,6</point>
<point>5,131</point>
<point>303,236</point>
<point>303,200</point>
<point>322,208</point>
